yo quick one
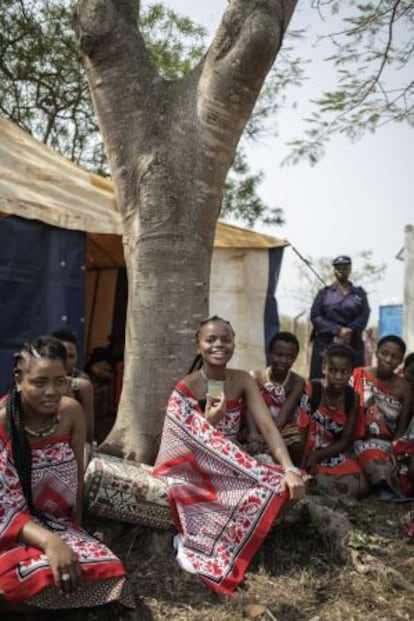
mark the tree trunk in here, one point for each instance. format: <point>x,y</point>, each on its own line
<point>169,146</point>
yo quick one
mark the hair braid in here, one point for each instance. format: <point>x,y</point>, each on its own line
<point>196,364</point>
<point>22,453</point>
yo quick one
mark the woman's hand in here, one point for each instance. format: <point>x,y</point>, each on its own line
<point>295,485</point>
<point>344,335</point>
<point>215,408</point>
<point>311,462</point>
<point>65,566</point>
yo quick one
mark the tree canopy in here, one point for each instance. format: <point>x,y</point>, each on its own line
<point>44,88</point>
<point>370,47</point>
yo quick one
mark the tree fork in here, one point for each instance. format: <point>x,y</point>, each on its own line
<point>169,147</point>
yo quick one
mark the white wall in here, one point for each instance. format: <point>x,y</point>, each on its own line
<point>409,288</point>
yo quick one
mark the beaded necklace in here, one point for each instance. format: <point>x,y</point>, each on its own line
<point>279,386</point>
<point>48,430</point>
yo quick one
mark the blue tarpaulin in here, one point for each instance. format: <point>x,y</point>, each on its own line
<point>390,320</point>
<point>42,282</point>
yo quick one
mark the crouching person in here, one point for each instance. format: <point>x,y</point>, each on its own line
<point>47,560</point>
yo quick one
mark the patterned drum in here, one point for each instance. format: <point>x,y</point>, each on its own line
<point>122,490</point>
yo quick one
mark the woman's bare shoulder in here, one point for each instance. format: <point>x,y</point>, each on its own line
<point>240,376</point>
<point>297,379</point>
<point>258,375</point>
<point>190,379</point>
<point>83,381</point>
<point>69,406</point>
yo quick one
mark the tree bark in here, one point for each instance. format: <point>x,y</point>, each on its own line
<point>169,146</point>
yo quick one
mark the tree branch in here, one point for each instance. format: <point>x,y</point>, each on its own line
<point>119,69</point>
<point>239,58</point>
<point>249,37</point>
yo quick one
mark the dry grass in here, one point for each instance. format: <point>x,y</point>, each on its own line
<point>333,561</point>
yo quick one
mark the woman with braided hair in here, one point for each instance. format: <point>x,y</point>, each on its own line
<point>47,560</point>
<point>224,501</point>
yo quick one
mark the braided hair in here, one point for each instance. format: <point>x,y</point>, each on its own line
<point>43,347</point>
<point>198,362</point>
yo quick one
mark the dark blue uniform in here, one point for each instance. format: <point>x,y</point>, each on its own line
<point>332,310</point>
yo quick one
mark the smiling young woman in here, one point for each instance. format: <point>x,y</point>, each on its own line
<point>233,498</point>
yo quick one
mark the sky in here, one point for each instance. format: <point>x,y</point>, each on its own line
<point>360,196</point>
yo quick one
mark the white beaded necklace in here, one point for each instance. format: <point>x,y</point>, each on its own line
<point>48,430</point>
<point>279,386</point>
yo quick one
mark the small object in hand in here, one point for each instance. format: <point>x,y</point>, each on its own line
<point>215,388</point>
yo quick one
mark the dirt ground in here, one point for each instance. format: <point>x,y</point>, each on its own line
<point>325,560</point>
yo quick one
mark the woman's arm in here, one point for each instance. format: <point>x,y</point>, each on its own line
<point>343,442</point>
<point>62,559</point>
<point>291,403</point>
<point>262,418</point>
<point>320,322</point>
<point>406,399</point>
<point>86,396</point>
<point>360,322</point>
<point>78,439</point>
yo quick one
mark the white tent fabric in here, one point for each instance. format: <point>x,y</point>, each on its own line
<point>38,183</point>
<point>238,286</point>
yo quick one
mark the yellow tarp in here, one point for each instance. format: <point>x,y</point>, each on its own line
<point>38,183</point>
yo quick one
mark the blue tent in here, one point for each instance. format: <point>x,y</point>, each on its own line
<point>62,264</point>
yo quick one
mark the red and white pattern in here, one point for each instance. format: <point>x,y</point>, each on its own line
<point>25,570</point>
<point>275,396</point>
<point>378,418</point>
<point>324,427</point>
<point>223,501</point>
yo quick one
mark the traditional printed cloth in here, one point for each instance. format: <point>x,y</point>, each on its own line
<point>324,427</point>
<point>223,501</point>
<point>403,450</point>
<point>378,419</point>
<point>274,396</point>
<point>25,573</point>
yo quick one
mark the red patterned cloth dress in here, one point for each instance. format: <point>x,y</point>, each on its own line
<point>377,454</point>
<point>338,473</point>
<point>324,426</point>
<point>223,501</point>
<point>274,396</point>
<point>25,573</point>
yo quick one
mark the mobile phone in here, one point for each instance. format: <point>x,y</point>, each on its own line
<point>215,388</point>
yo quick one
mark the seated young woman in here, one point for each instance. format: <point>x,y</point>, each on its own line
<point>78,386</point>
<point>328,418</point>
<point>223,501</point>
<point>385,410</point>
<point>47,560</point>
<point>282,390</point>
